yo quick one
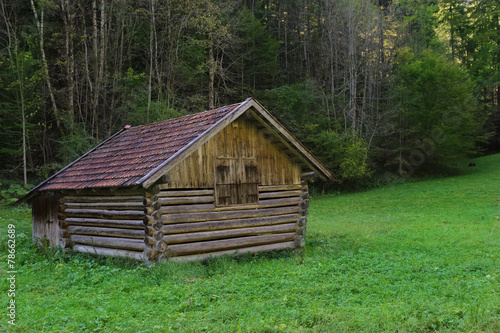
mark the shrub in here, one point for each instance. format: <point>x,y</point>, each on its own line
<point>11,193</point>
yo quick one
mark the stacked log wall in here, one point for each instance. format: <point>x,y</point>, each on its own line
<point>114,224</point>
<point>195,228</point>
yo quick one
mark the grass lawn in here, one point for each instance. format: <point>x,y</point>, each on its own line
<point>413,257</point>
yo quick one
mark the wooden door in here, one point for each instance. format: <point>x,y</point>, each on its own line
<point>46,219</point>
<point>236,181</point>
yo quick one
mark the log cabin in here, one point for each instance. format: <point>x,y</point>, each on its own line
<point>231,180</point>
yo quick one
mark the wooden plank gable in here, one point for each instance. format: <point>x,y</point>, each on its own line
<point>240,141</point>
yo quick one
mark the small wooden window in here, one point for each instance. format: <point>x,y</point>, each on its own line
<point>237,181</point>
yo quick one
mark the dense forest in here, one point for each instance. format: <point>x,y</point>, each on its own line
<point>376,89</point>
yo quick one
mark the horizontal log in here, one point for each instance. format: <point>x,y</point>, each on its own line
<point>302,221</point>
<point>230,214</point>
<point>105,205</point>
<point>279,194</point>
<point>105,192</point>
<point>239,207</point>
<point>99,231</point>
<point>241,251</point>
<point>129,224</point>
<point>158,235</point>
<point>228,224</point>
<point>211,235</point>
<point>227,244</point>
<point>187,200</point>
<point>149,241</point>
<point>187,208</point>
<point>292,201</point>
<point>300,241</point>
<point>162,258</point>
<point>156,215</point>
<point>185,193</point>
<point>309,175</point>
<point>150,191</point>
<point>150,209</point>
<point>149,231</point>
<point>148,220</point>
<point>273,188</point>
<point>150,200</point>
<point>149,253</point>
<point>109,252</point>
<point>160,246</point>
<point>100,213</point>
<point>152,232</point>
<point>304,203</point>
<point>113,242</point>
<point>102,199</point>
<point>157,224</point>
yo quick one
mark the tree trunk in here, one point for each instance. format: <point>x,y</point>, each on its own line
<point>40,26</point>
<point>211,73</point>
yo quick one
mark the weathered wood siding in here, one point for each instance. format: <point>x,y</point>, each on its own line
<point>195,227</point>
<point>241,139</point>
<point>104,223</point>
<point>239,192</point>
<point>45,222</point>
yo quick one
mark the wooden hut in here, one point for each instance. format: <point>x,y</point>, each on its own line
<point>224,181</point>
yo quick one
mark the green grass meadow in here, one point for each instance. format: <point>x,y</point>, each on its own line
<point>420,256</point>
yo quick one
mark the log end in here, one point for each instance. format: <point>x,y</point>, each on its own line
<point>157,225</point>
<point>158,235</point>
<point>161,246</point>
<point>299,242</point>
<point>162,258</point>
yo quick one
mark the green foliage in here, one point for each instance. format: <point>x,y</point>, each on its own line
<point>437,116</point>
<point>405,258</point>
<point>328,64</point>
<point>11,193</point>
<point>418,22</point>
<point>299,108</point>
<point>20,77</point>
<point>259,53</point>
<point>471,28</point>
<point>159,111</point>
<point>344,154</point>
<point>75,144</point>
<point>294,105</point>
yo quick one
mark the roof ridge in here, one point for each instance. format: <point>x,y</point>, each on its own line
<point>225,107</point>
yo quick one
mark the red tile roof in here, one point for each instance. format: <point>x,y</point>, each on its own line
<point>131,154</point>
